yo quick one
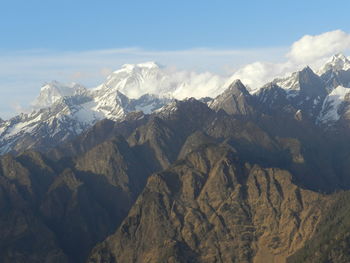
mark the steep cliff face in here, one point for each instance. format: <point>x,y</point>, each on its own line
<point>20,225</point>
<point>56,211</point>
<point>210,207</point>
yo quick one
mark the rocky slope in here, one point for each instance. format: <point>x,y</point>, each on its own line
<point>330,242</point>
<point>57,211</point>
<point>211,207</point>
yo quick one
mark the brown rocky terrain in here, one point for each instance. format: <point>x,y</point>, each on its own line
<point>211,207</point>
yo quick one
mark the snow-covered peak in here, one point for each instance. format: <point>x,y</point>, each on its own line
<point>336,63</point>
<point>289,83</point>
<point>331,104</point>
<point>168,110</point>
<point>134,80</point>
<point>148,103</point>
<point>54,91</point>
<point>296,79</point>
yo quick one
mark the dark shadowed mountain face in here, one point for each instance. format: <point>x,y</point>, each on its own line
<point>61,209</point>
<point>236,100</point>
<point>243,177</point>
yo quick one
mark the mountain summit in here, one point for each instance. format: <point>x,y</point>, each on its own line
<point>62,112</point>
<point>336,63</point>
<point>54,91</point>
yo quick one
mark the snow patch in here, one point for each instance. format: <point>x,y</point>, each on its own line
<point>331,104</point>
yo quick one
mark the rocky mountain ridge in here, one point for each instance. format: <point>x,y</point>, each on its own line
<point>62,112</point>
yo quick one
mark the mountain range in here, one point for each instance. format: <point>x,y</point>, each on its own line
<point>105,175</point>
<point>61,112</point>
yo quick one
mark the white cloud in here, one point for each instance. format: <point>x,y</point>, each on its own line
<point>198,85</point>
<point>311,51</point>
<point>256,74</point>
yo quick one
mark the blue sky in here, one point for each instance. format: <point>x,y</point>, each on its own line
<point>82,41</point>
<point>164,25</point>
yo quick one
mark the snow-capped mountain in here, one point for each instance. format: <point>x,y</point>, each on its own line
<point>322,96</point>
<point>61,111</point>
<point>336,72</point>
<point>305,90</point>
<point>133,80</point>
<point>336,77</point>
<point>331,105</point>
<point>54,91</point>
<point>337,63</point>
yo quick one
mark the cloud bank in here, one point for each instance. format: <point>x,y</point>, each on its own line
<point>310,49</point>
